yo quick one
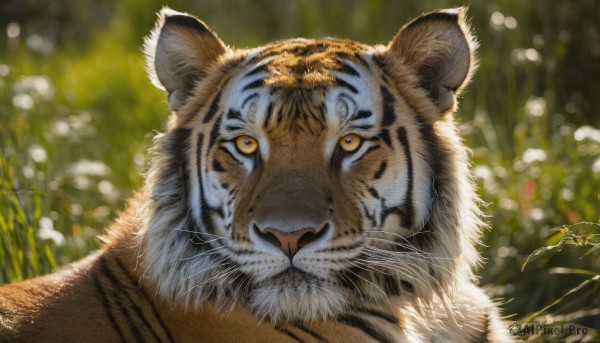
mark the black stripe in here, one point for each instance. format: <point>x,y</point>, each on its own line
<point>407,286</point>
<point>374,193</point>
<point>288,333</point>
<point>387,317</point>
<point>310,332</point>
<point>379,61</point>
<point>280,114</point>
<point>373,148</point>
<point>268,116</point>
<point>229,153</point>
<point>439,161</point>
<point>390,285</point>
<point>385,136</point>
<point>199,146</point>
<point>389,116</point>
<point>102,263</point>
<point>174,175</point>
<point>232,128</point>
<point>206,211</point>
<point>365,327</point>
<point>370,217</point>
<point>136,287</point>
<point>405,219</point>
<point>347,69</point>
<point>177,144</point>
<point>107,307</point>
<point>362,114</point>
<point>145,295</point>
<point>432,272</point>
<point>361,60</point>
<point>214,133</point>
<point>254,84</point>
<point>256,70</point>
<point>212,110</point>
<point>266,54</point>
<point>381,170</point>
<point>361,127</point>
<point>437,157</point>
<point>408,206</point>
<point>342,83</point>
<point>252,96</point>
<point>348,98</point>
<point>217,166</point>
<point>233,114</point>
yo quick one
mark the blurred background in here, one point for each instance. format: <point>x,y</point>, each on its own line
<point>77,115</point>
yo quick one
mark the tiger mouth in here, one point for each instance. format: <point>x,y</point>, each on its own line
<point>296,295</point>
<point>294,278</point>
<point>292,275</point>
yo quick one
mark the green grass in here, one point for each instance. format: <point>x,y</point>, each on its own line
<point>73,143</point>
<point>23,255</point>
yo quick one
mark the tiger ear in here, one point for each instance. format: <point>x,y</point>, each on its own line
<point>178,53</point>
<point>441,49</point>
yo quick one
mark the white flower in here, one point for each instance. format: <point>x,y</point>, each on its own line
<point>510,23</point>
<point>509,204</point>
<point>537,214</point>
<point>35,86</point>
<point>23,101</point>
<point>531,155</point>
<point>497,21</point>
<point>4,70</point>
<point>87,167</point>
<point>38,154</point>
<point>483,173</point>
<point>587,132</point>
<point>105,187</point>
<point>596,166</point>
<point>535,106</point>
<point>46,231</point>
<point>61,128</point>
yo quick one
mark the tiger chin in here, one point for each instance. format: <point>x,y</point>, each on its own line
<point>304,190</point>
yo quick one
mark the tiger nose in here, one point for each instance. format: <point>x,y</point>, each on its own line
<point>290,242</point>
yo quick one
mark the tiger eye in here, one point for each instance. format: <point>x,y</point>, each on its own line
<point>246,145</point>
<point>350,143</point>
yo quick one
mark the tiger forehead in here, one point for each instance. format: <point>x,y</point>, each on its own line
<point>304,63</point>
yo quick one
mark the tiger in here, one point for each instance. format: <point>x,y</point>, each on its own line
<point>306,190</point>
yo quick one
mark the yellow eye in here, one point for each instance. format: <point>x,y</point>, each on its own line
<point>350,143</point>
<point>246,145</point>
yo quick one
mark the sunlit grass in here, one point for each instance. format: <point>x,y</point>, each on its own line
<point>23,251</point>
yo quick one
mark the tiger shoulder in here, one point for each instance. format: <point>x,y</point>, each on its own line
<point>311,190</point>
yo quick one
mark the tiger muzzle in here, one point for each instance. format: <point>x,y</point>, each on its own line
<point>291,213</point>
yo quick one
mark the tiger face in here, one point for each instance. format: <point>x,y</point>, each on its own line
<point>306,176</point>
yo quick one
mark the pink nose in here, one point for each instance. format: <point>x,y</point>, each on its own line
<point>290,242</point>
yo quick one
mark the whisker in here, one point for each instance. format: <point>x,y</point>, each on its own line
<point>204,253</point>
<point>220,261</point>
<point>355,286</point>
<point>216,277</point>
<point>405,272</point>
<point>412,249</point>
<point>395,235</point>
<point>374,285</point>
